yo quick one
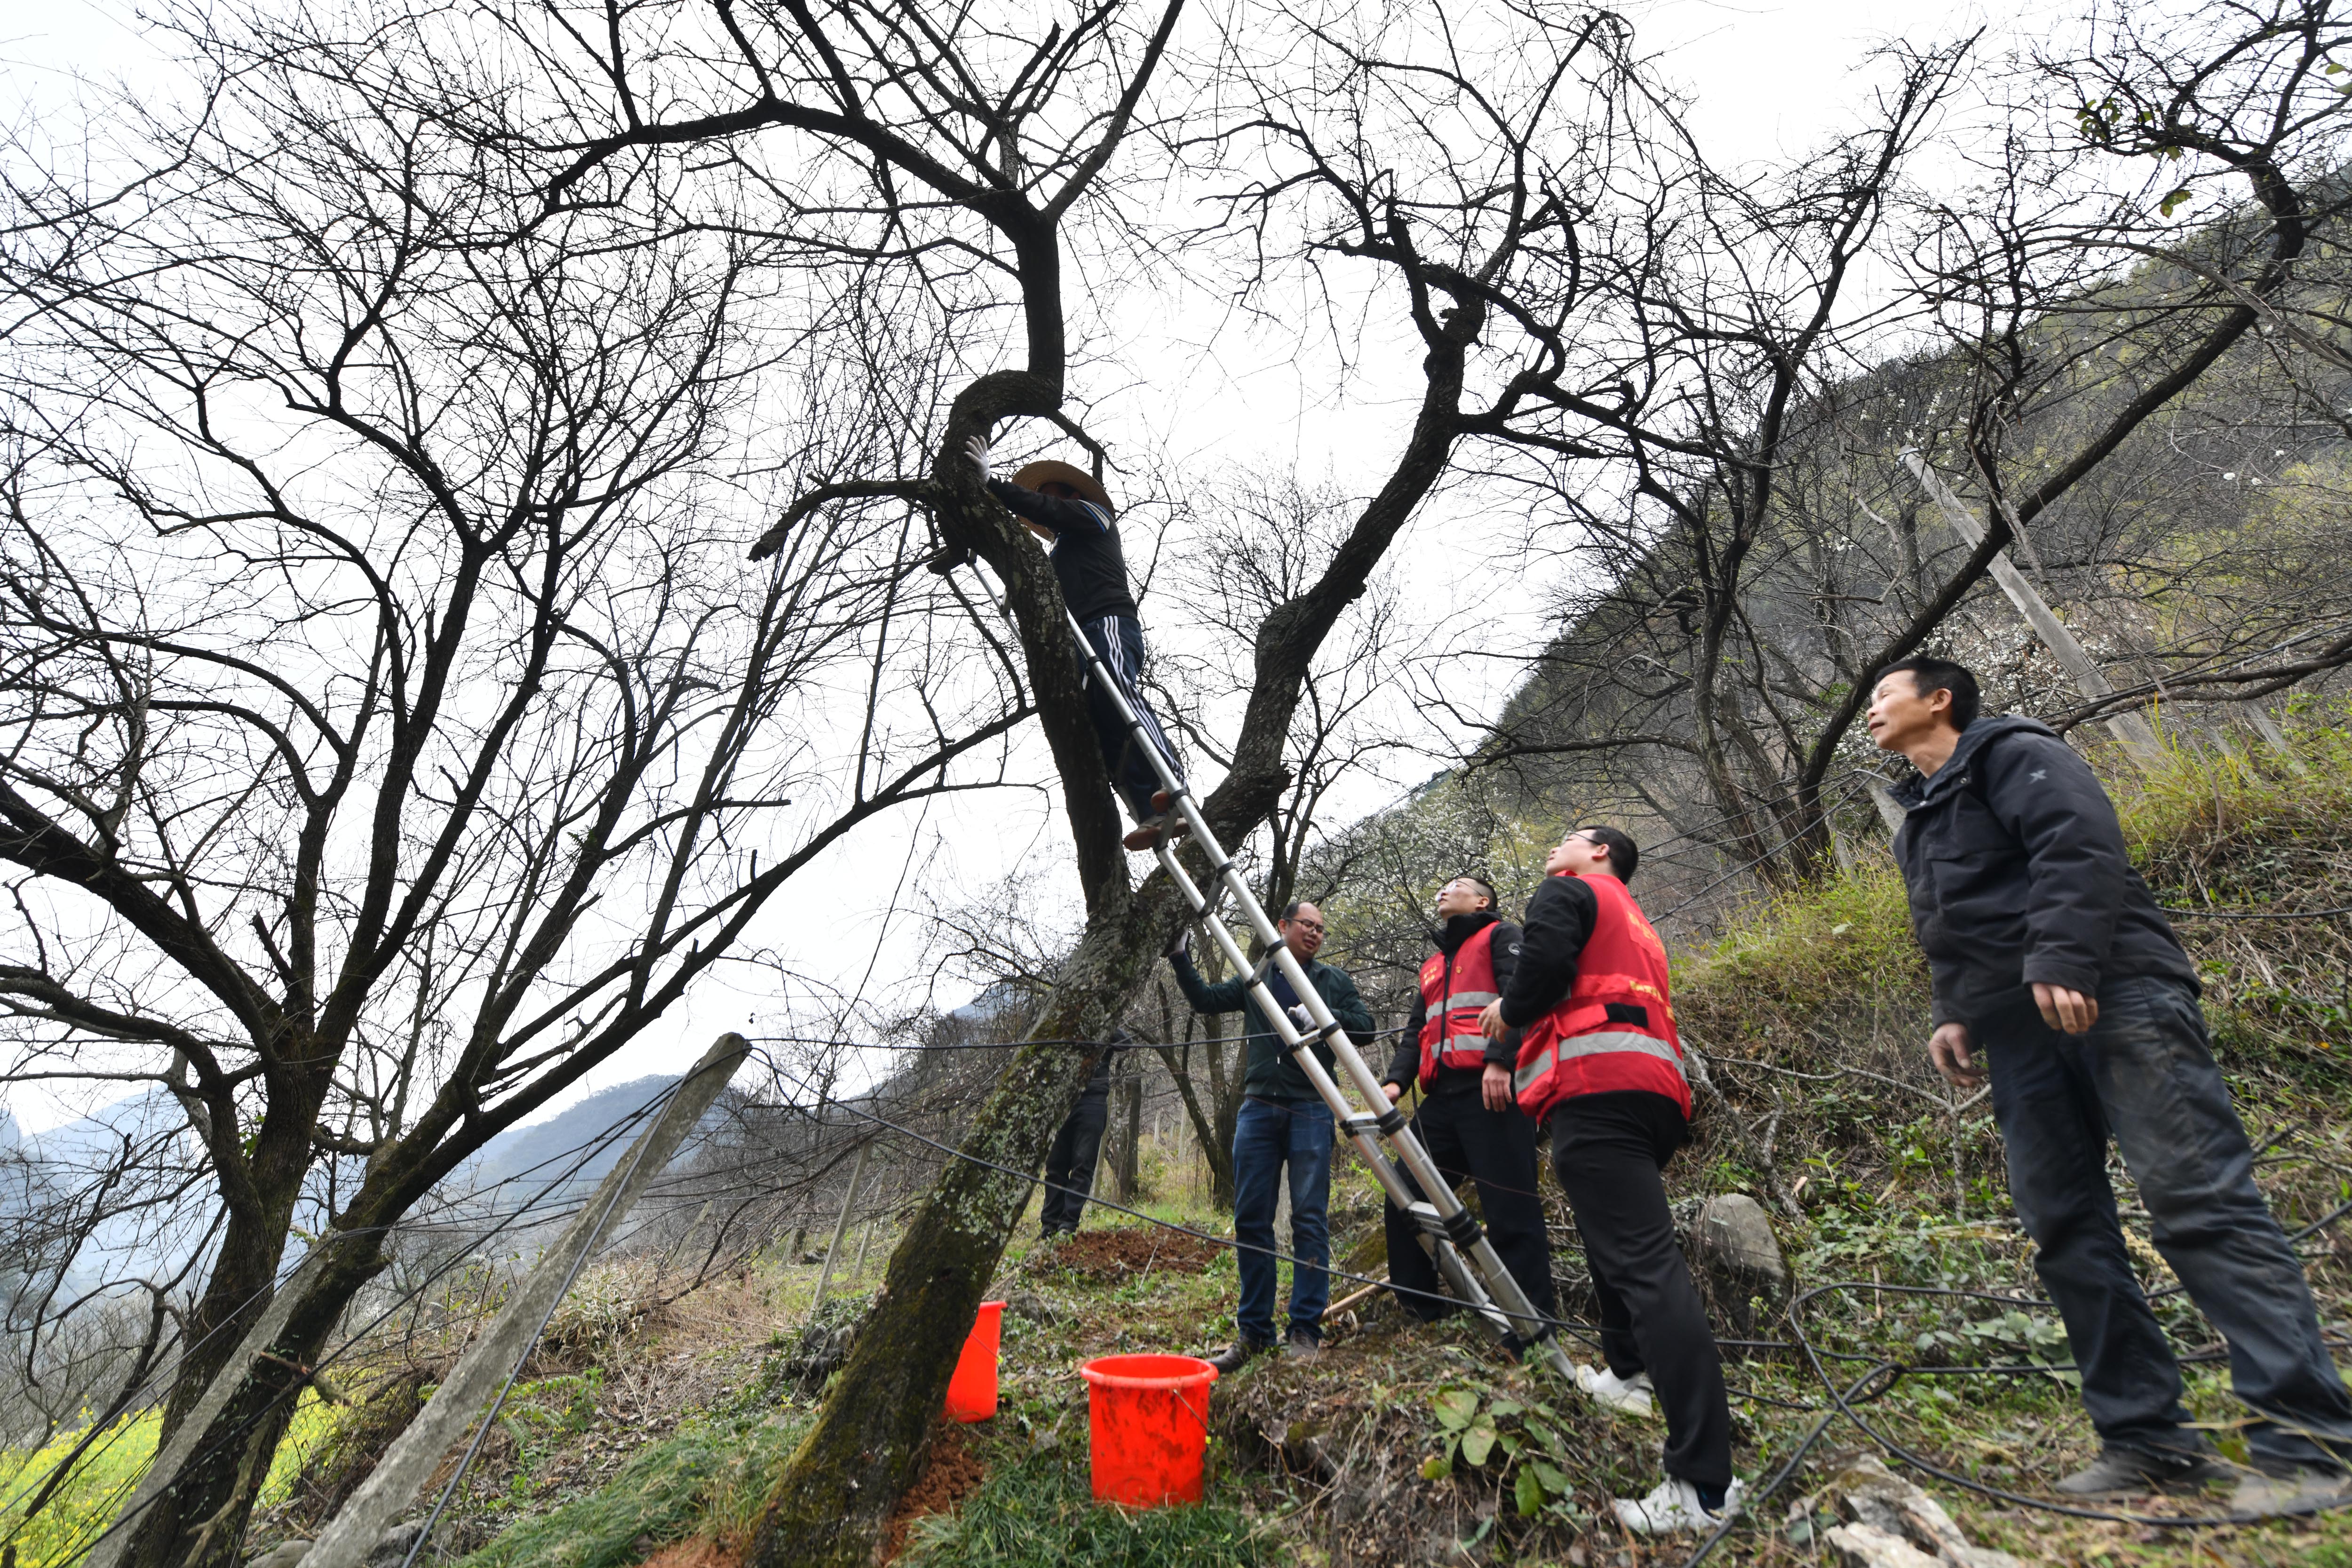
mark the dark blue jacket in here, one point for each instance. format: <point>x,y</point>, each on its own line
<point>2016,868</point>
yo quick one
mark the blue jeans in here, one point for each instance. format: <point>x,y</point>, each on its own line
<point>2144,1074</point>
<point>1267,1135</point>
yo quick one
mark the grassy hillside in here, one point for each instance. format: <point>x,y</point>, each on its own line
<point>646,1434</point>
<point>1814,1005</point>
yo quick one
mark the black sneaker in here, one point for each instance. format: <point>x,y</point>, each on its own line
<point>1301,1346</point>
<point>2120,1472</point>
<point>1234,1356</point>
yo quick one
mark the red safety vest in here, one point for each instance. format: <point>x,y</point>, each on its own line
<point>1614,1029</point>
<point>1453,996</point>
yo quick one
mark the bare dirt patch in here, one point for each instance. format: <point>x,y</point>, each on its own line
<point>1107,1255</point>
<point>697,1552</point>
<point>952,1474</point>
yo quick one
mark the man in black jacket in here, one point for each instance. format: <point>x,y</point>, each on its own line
<point>1469,1117</point>
<point>1071,510</point>
<point>2047,950</point>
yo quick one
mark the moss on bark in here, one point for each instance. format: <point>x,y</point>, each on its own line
<point>867,1446</point>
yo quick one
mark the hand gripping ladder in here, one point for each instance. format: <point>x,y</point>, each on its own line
<point>1447,1231</point>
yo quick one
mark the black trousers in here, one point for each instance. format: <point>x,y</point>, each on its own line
<point>1496,1148</point>
<point>1607,1150</point>
<point>2144,1076</point>
<point>1070,1164</point>
<point>1118,639</point>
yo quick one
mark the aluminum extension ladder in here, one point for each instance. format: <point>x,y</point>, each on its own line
<point>1447,1231</point>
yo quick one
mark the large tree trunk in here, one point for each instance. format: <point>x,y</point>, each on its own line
<point>869,1441</point>
<point>871,1436</point>
<point>201,1522</point>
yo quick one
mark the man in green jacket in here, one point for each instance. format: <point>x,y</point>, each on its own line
<point>1282,1123</point>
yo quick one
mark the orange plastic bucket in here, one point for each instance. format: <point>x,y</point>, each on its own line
<point>972,1392</point>
<point>1146,1424</point>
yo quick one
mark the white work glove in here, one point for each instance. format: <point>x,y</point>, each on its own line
<point>1303,1018</point>
<point>977,450</point>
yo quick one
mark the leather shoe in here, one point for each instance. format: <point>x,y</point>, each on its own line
<point>1234,1356</point>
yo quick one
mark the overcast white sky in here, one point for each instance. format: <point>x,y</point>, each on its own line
<point>1769,79</point>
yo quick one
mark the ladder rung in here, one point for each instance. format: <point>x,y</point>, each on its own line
<point>1459,1229</point>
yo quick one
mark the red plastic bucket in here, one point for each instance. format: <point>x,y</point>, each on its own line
<point>972,1392</point>
<point>1146,1424</point>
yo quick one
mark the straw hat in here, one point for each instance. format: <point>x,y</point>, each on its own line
<point>1037,474</point>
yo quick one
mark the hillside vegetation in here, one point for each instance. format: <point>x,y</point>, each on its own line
<point>643,1432</point>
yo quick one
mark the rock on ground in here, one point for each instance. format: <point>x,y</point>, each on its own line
<point>1891,1524</point>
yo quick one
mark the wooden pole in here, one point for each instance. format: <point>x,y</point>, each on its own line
<point>840,1227</point>
<point>2138,737</point>
<point>1341,1305</point>
<point>410,1462</point>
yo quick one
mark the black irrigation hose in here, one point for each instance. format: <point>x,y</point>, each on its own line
<point>1796,1458</point>
<point>2195,913</point>
<point>1845,1408</point>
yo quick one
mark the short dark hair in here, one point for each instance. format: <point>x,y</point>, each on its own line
<point>1493,899</point>
<point>1290,911</point>
<point>1623,853</point>
<point>1929,674</point>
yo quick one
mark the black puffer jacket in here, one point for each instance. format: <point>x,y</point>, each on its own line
<point>2017,873</point>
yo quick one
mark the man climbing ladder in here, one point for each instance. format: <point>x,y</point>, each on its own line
<point>1067,508</point>
<point>1452,1235</point>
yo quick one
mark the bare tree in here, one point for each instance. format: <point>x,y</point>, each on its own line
<point>391,735</point>
<point>967,142</point>
<point>1811,327</point>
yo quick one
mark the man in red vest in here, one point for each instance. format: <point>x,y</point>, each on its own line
<point>1468,1120</point>
<point>1599,1061</point>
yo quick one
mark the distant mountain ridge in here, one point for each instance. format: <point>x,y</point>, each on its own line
<point>577,1145</point>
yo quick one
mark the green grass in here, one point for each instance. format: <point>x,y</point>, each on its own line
<point>1038,1513</point>
<point>1844,942</point>
<point>709,1480</point>
<point>64,1528</point>
<point>2236,829</point>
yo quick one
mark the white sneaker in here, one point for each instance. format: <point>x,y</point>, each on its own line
<point>1626,1395</point>
<point>1672,1507</point>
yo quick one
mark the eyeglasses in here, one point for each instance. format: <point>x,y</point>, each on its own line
<point>1315,926</point>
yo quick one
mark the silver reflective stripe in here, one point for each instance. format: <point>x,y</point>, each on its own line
<point>1594,1046</point>
<point>1461,999</point>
